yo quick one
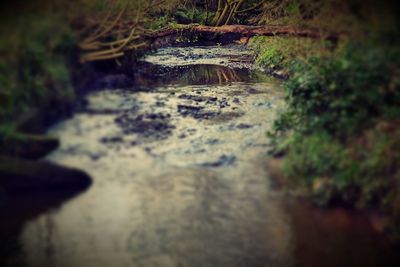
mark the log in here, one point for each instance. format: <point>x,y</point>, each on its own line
<point>231,32</point>
<point>250,31</point>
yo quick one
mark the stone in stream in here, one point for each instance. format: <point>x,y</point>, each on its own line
<point>112,139</point>
<point>197,112</point>
<point>20,175</point>
<point>244,126</point>
<point>114,81</point>
<point>28,146</point>
<point>207,99</point>
<point>153,125</point>
<point>223,160</point>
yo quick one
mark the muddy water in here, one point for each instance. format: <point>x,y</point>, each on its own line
<point>178,163</point>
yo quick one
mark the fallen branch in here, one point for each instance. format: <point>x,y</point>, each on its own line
<point>138,40</point>
<point>250,31</point>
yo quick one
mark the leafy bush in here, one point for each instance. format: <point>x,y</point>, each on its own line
<point>34,66</point>
<point>271,58</point>
<point>345,94</point>
<point>279,52</point>
<point>341,132</point>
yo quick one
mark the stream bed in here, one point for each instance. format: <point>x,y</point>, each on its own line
<point>178,162</point>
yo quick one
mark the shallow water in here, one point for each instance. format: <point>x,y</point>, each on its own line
<point>180,178</point>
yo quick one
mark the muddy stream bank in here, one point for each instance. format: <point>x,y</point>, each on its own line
<point>178,162</point>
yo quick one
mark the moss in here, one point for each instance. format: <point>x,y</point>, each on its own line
<point>280,51</point>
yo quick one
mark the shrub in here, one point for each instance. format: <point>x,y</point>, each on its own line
<point>341,132</point>
<point>34,65</point>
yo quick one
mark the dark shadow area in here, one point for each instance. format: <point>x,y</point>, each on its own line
<point>337,237</point>
<point>15,211</point>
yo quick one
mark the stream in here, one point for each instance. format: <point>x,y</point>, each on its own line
<point>180,177</point>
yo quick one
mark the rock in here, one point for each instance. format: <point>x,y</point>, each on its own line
<point>114,81</point>
<point>212,141</point>
<point>112,139</point>
<point>244,126</point>
<point>154,125</point>
<point>223,160</point>
<point>21,175</point>
<point>28,146</point>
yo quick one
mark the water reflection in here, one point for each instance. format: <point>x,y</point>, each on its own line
<point>193,75</point>
<point>15,212</point>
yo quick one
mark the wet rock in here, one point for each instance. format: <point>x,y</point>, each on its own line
<point>195,98</point>
<point>153,125</point>
<point>20,175</point>
<point>112,139</point>
<point>114,81</point>
<point>226,116</point>
<point>160,104</point>
<point>223,160</point>
<point>224,104</point>
<point>197,112</point>
<point>244,126</point>
<point>252,91</point>
<point>28,146</point>
<point>187,110</point>
<point>212,141</point>
<point>266,105</point>
<point>96,156</point>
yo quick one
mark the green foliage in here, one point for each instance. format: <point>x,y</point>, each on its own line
<point>161,22</point>
<point>358,173</point>
<point>354,17</point>
<point>33,65</point>
<point>340,132</point>
<point>345,94</point>
<point>279,52</point>
<point>270,58</point>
